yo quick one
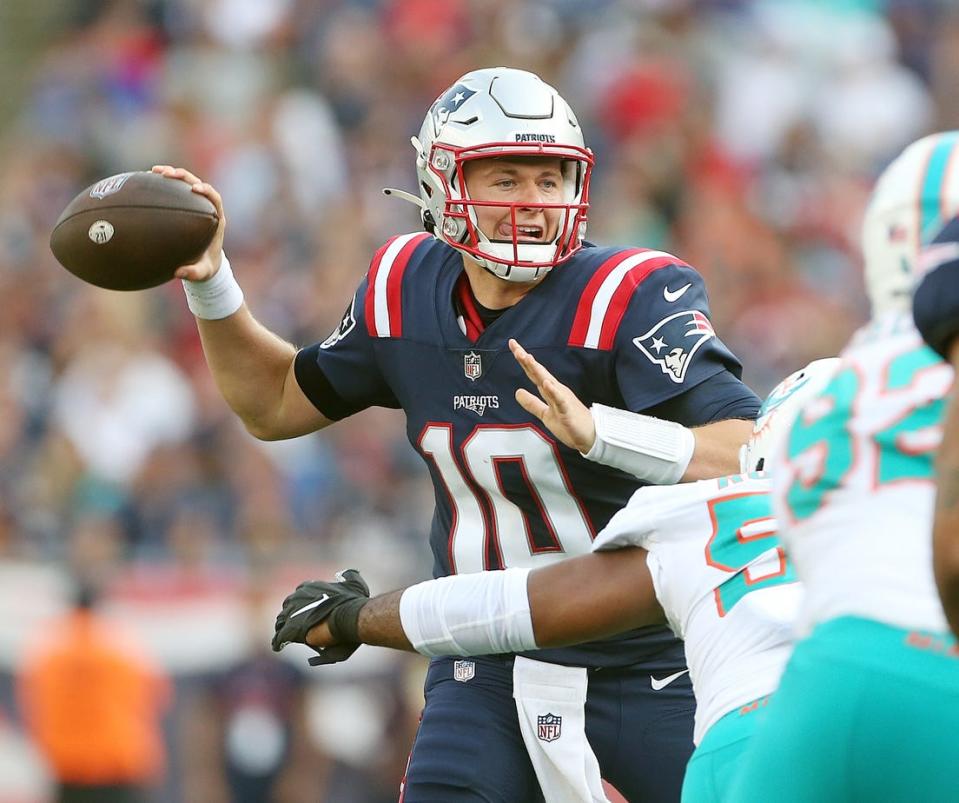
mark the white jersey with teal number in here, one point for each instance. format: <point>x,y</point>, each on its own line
<point>722,578</point>
<point>853,483</point>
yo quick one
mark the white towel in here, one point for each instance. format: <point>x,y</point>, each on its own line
<point>550,702</point>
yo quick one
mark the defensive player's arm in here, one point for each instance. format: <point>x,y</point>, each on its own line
<point>575,600</point>
<point>252,367</point>
<point>935,308</point>
<point>945,528</point>
<point>715,447</point>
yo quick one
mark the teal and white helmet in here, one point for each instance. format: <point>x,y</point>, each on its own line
<point>914,197</point>
<point>500,111</point>
<point>780,408</point>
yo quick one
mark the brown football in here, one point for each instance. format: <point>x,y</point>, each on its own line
<point>133,230</point>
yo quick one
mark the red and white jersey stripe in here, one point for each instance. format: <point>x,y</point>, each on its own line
<point>384,301</point>
<point>606,297</point>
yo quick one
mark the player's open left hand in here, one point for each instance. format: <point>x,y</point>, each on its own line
<point>559,409</point>
<point>335,604</point>
<point>209,263</point>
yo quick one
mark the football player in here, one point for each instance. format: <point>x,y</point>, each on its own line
<point>935,309</point>
<point>504,178</point>
<point>868,706</point>
<point>703,557</point>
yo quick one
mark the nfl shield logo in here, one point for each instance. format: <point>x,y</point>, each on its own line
<point>549,727</point>
<point>472,366</point>
<point>108,186</point>
<point>463,671</point>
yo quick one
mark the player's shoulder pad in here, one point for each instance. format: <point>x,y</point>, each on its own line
<point>383,299</point>
<point>659,500</point>
<point>653,510</point>
<point>615,275</point>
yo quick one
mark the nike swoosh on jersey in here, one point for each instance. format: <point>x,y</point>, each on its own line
<point>674,295</point>
<point>658,683</point>
<point>311,606</point>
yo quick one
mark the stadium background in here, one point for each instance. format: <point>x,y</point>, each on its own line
<point>742,136</point>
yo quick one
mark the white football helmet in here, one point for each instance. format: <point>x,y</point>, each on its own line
<point>501,112</point>
<point>913,198</point>
<point>780,408</point>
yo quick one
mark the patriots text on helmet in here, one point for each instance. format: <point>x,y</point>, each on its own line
<point>551,138</point>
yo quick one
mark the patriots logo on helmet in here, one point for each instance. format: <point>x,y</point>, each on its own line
<point>673,341</point>
<point>449,102</point>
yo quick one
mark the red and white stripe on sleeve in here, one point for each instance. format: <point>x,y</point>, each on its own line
<point>606,297</point>
<point>383,305</point>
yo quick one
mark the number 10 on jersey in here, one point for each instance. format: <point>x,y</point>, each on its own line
<point>533,521</point>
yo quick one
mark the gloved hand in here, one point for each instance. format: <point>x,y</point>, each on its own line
<point>314,601</point>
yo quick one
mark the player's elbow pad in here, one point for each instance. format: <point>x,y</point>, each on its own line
<point>469,614</point>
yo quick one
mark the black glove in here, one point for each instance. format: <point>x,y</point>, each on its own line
<point>316,601</point>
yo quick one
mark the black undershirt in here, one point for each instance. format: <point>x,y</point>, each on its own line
<point>486,314</point>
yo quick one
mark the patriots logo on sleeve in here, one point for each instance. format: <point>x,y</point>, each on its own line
<point>347,324</point>
<point>449,102</point>
<point>673,341</point>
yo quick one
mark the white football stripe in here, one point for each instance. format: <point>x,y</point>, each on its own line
<point>381,310</point>
<point>600,306</point>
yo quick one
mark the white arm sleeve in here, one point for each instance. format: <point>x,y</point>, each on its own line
<point>469,614</point>
<point>649,448</point>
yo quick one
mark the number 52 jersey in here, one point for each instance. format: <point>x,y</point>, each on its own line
<point>624,327</point>
<point>854,486</point>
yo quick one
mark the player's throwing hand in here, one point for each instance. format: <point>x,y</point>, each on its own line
<point>208,264</point>
<point>559,409</point>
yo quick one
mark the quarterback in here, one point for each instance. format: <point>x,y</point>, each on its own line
<point>503,190</point>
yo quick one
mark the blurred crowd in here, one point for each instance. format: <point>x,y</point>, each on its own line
<point>741,135</point>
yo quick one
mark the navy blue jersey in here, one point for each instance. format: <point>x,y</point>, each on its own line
<point>625,327</point>
<point>935,307</point>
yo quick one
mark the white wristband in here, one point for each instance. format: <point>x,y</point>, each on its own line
<point>469,614</point>
<point>651,449</point>
<point>214,298</point>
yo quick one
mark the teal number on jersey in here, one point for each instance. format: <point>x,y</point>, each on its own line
<point>898,456</point>
<point>897,459</point>
<point>829,435</point>
<point>744,529</point>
